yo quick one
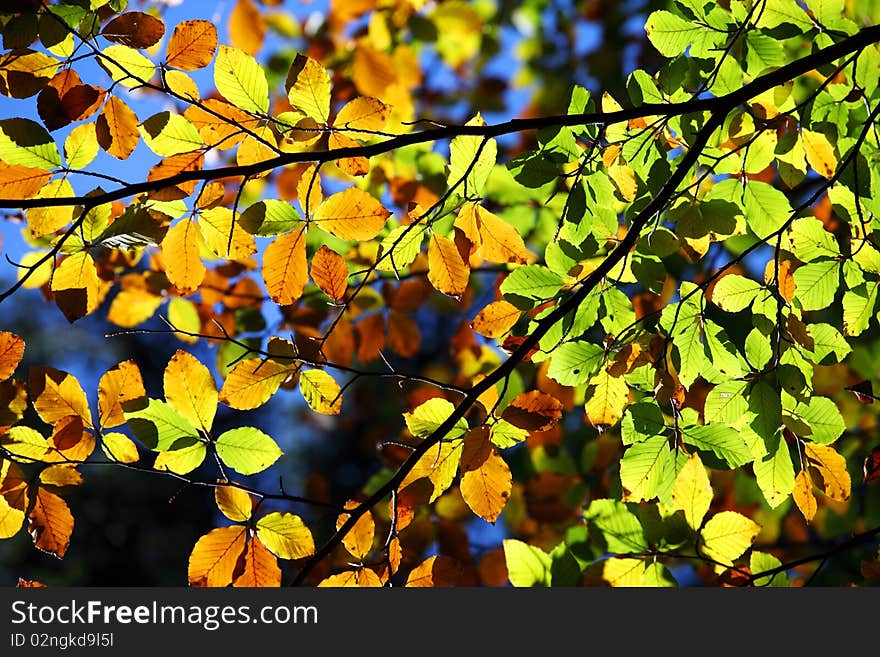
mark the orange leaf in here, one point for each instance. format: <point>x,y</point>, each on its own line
<point>11,351</point>
<point>447,271</point>
<point>219,123</point>
<point>353,166</point>
<point>134,29</point>
<point>358,541</point>
<point>371,337</point>
<point>247,27</point>
<point>803,495</point>
<point>501,242</point>
<point>533,411</point>
<point>120,384</point>
<point>215,556</point>
<point>352,214</point>
<point>403,334</point>
<point>363,577</point>
<point>330,273</point>
<point>56,394</point>
<point>363,113</point>
<point>486,480</point>
<point>192,45</point>
<point>171,166</point>
<point>251,382</point>
<point>50,523</point>
<point>233,502</point>
<point>285,268</point>
<point>116,129</point>
<point>260,567</point>
<point>435,571</point>
<point>496,319</point>
<point>18,182</point>
<point>71,440</point>
<point>183,262</point>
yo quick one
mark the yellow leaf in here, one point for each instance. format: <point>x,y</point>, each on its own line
<point>190,389</point>
<point>241,80</point>
<point>285,268</point>
<point>50,523</point>
<point>606,398</point>
<point>215,556</point>
<point>81,146</point>
<point>434,572</point>
<point>117,129</point>
<point>624,572</point>
<point>44,221</point>
<point>120,384</point>
<point>352,214</point>
<point>181,84</point>
<point>167,134</point>
<point>439,465</point>
<point>362,113</point>
<point>61,475</point>
<point>486,480</point>
<point>803,495</point>
<point>119,447</point>
<point>692,492</point>
<point>132,306</point>
<point>233,502</point>
<point>192,45</point>
<point>78,290</point>
<point>727,535</point>
<point>330,273</point>
<point>126,65</point>
<point>447,271</point>
<point>353,166</point>
<point>251,382</point>
<point>181,461</point>
<point>308,88</point>
<point>254,151</point>
<point>247,27</point>
<point>217,228</point>
<point>56,395</point>
<point>496,319</point>
<point>624,179</point>
<point>358,541</point>
<point>286,535</point>
<point>183,262</point>
<point>13,498</point>
<point>183,315</point>
<point>833,478</point>
<point>321,392</point>
<point>499,241</point>
<point>820,153</point>
<point>308,189</point>
<point>471,161</point>
<point>260,567</point>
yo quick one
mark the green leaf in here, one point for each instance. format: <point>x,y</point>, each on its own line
<point>808,240</point>
<point>783,12</point>
<point>574,363</point>
<point>727,535</point>
<point>828,341</point>
<point>823,417</point>
<point>775,473</point>
<point>28,144</point>
<point>725,442</point>
<point>505,435</point>
<point>642,420</point>
<point>167,134</point>
<point>766,208</point>
<point>530,284</point>
<point>269,217</point>
<point>527,565</point>
<point>692,357</point>
<point>647,470</point>
<point>858,308</point>
<point>766,406</point>
<point>247,450</point>
<point>816,284</point>
<point>758,349</point>
<point>620,528</point>
<point>428,416</point>
<point>471,158</point>
<point>241,80</point>
<point>760,562</point>
<point>734,292</point>
<point>160,427</point>
<point>399,248</point>
<point>671,35</point>
<point>726,402</point>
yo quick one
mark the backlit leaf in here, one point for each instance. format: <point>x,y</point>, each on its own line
<point>117,128</point>
<point>321,392</point>
<point>308,88</point>
<point>285,269</point>
<point>362,113</point>
<point>252,382</point>
<point>215,556</point>
<point>11,351</point>
<point>184,264</point>
<point>471,159</point>
<point>527,565</point>
<point>56,394</point>
<point>247,450</point>
<point>447,271</point>
<point>330,273</point>
<point>286,535</point>
<point>727,535</point>
<point>190,390</point>
<point>167,133</point>
<point>692,492</point>
<point>359,540</point>
<point>126,65</point>
<point>241,80</point>
<point>233,502</point>
<point>192,45</point>
<point>435,571</point>
<point>820,153</point>
<point>260,567</point>
<point>803,496</point>
<point>830,470</point>
<point>351,214</point>
<point>496,319</point>
<point>485,479</point>
<point>26,143</point>
<point>118,385</point>
<point>50,523</point>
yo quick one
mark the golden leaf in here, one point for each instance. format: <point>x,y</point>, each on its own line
<point>183,261</point>
<point>447,271</point>
<point>330,273</point>
<point>50,523</point>
<point>190,389</point>
<point>215,556</point>
<point>56,395</point>
<point>352,214</point>
<point>252,382</point>
<point>830,466</point>
<point>120,384</point>
<point>285,268</point>
<point>192,45</point>
<point>260,567</point>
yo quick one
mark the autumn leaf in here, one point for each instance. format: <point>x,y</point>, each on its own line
<point>57,394</point>
<point>192,45</point>
<point>830,468</point>
<point>308,88</point>
<point>352,214</point>
<point>285,535</point>
<point>285,268</point>
<point>359,540</point>
<point>11,351</point>
<point>120,384</point>
<point>803,495</point>
<point>117,129</point>
<point>486,479</point>
<point>330,273</point>
<point>260,567</point>
<point>362,113</point>
<point>252,382</point>
<point>233,502</point>
<point>496,319</point>
<point>321,392</point>
<point>216,555</point>
<point>50,523</point>
<point>247,27</point>
<point>447,271</point>
<point>533,411</point>
<point>435,571</point>
<point>190,389</point>
<point>692,492</point>
<point>134,29</point>
<point>181,247</point>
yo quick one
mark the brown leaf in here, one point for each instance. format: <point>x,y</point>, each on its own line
<point>50,523</point>
<point>330,273</point>
<point>11,351</point>
<point>533,411</point>
<point>116,129</point>
<point>134,29</point>
<point>435,571</point>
